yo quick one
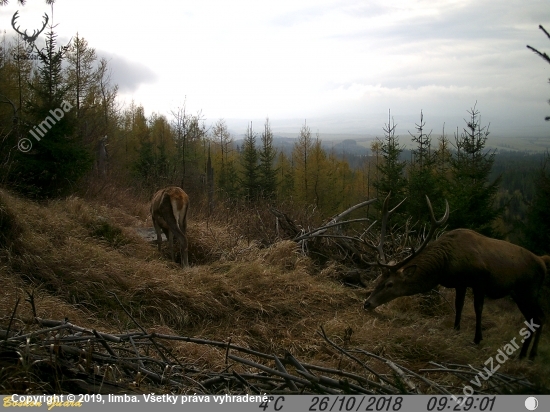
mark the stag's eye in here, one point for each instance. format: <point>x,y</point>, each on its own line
<point>389,284</point>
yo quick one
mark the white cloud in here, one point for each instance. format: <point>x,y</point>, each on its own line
<point>309,59</point>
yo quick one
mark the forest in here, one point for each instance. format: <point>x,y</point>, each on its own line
<point>61,124</point>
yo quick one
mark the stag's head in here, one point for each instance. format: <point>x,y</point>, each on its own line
<point>403,278</point>
<point>392,284</point>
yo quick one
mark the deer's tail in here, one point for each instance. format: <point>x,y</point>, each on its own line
<point>167,213</point>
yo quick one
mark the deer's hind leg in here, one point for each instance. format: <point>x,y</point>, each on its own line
<point>534,316</point>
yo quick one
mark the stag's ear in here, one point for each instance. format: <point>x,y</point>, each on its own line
<point>408,271</point>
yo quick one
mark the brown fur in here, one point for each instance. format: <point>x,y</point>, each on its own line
<point>463,258</point>
<point>169,208</point>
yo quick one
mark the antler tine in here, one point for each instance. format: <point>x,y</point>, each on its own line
<point>46,20</point>
<point>434,224</point>
<point>13,20</point>
<point>443,220</point>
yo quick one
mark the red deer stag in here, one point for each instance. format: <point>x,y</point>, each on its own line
<point>169,212</point>
<point>460,259</point>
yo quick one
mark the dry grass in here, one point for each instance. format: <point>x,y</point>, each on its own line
<point>73,254</point>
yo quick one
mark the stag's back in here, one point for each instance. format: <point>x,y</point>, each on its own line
<point>499,267</point>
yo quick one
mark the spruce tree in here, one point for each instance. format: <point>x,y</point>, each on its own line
<point>249,162</point>
<point>471,195</point>
<point>267,170</point>
<point>391,177</point>
<point>422,180</point>
<point>58,158</point>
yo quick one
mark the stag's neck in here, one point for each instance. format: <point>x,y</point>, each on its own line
<point>434,264</point>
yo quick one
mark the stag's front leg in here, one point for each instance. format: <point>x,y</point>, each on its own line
<point>459,304</point>
<point>479,296</point>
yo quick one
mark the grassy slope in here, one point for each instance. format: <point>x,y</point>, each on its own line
<point>73,253</point>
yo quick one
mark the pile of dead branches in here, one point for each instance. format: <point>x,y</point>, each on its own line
<point>363,243</point>
<point>61,357</point>
<point>344,241</point>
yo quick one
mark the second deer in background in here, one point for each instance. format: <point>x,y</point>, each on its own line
<point>169,209</point>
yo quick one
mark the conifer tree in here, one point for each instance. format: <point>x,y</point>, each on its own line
<point>302,163</point>
<point>267,170</point>
<point>249,164</point>
<point>391,177</point>
<point>471,195</point>
<point>80,76</point>
<point>227,173</point>
<point>58,160</point>
<point>443,156</point>
<point>422,177</point>
<point>145,165</point>
<point>164,146</point>
<point>285,176</point>
<point>319,175</point>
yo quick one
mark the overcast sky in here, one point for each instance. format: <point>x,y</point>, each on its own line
<point>340,64</point>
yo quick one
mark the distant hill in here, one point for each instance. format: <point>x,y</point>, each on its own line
<point>357,147</point>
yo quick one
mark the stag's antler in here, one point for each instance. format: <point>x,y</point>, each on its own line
<point>29,39</point>
<point>434,225</point>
